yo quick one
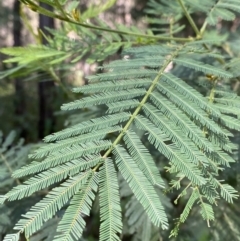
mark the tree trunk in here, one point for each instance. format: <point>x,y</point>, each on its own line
<point>45,88</point>
<point>19,101</point>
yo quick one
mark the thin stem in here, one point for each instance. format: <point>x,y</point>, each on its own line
<point>180,195</point>
<point>201,200</point>
<point>212,92</point>
<point>203,28</point>
<point>60,8</point>
<point>43,11</point>
<point>205,22</point>
<point>127,33</point>
<point>174,185</point>
<point>190,20</point>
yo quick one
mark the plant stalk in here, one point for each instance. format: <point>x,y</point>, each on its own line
<point>41,10</point>
<point>190,20</point>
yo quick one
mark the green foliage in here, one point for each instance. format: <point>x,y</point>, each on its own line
<point>109,207</point>
<point>224,9</point>
<point>72,224</point>
<point>155,108</point>
<point>13,155</point>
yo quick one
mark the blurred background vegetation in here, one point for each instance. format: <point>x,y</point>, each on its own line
<point>32,103</point>
<point>30,108</point>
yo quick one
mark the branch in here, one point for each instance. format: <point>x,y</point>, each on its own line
<point>191,21</point>
<point>41,10</point>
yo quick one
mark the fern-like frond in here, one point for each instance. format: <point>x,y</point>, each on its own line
<point>220,157</point>
<point>221,142</point>
<point>142,157</point>
<point>48,148</point>
<point>12,237</point>
<point>141,187</point>
<point>88,126</point>
<point>230,122</point>
<point>48,206</point>
<point>63,156</point>
<point>151,62</point>
<point>228,101</point>
<point>180,123</point>
<point>232,66</point>
<point>49,177</point>
<point>186,211</point>
<point>127,74</point>
<point>226,191</point>
<point>190,108</point>
<point>179,118</point>
<point>152,50</point>
<point>110,209</point>
<point>71,226</point>
<point>175,135</point>
<point>226,110</point>
<point>112,86</point>
<point>190,93</point>
<point>223,9</point>
<point>205,68</point>
<point>122,106</point>
<point>207,212</point>
<point>209,190</point>
<point>104,98</point>
<point>174,154</point>
<point>192,199</point>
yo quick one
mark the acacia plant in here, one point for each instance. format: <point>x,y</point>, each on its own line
<point>170,123</point>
